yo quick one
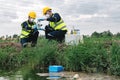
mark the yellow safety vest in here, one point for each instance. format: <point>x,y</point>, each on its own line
<point>58,25</point>
<point>25,33</point>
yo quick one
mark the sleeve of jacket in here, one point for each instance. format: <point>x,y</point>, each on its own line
<point>25,26</point>
<point>55,18</point>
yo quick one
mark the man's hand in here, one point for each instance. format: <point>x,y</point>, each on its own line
<point>34,27</point>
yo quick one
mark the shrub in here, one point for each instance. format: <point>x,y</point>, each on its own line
<point>115,59</point>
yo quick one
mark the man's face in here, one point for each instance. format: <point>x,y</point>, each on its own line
<point>31,19</point>
<point>49,12</point>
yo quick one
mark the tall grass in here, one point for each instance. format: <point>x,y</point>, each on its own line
<point>115,59</point>
<point>90,57</point>
<point>94,55</point>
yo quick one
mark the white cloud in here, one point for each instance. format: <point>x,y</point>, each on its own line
<point>83,17</point>
<point>75,12</point>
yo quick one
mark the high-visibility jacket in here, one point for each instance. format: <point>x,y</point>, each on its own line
<point>60,25</point>
<point>26,29</point>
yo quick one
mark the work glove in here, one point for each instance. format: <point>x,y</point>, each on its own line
<point>34,27</point>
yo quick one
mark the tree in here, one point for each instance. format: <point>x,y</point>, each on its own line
<point>95,34</point>
<point>118,34</point>
<point>102,34</point>
<point>106,34</point>
<point>15,36</point>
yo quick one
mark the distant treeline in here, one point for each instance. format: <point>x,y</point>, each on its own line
<point>105,34</point>
<point>94,34</point>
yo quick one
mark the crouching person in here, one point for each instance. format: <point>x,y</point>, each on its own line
<point>56,29</point>
<point>29,33</point>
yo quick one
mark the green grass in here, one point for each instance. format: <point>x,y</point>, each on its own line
<point>95,55</point>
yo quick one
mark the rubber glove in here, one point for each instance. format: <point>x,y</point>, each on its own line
<point>34,27</point>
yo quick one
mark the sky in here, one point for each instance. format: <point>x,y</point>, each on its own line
<point>86,15</point>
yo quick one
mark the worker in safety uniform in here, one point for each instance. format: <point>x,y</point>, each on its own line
<point>29,32</point>
<point>56,29</point>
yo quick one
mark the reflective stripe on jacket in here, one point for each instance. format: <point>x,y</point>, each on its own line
<point>60,25</point>
<point>26,29</point>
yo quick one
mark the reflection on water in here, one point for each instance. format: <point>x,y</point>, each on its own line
<point>22,78</point>
<point>29,76</point>
<point>60,76</point>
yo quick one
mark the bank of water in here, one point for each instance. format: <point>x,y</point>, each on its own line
<point>65,76</point>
